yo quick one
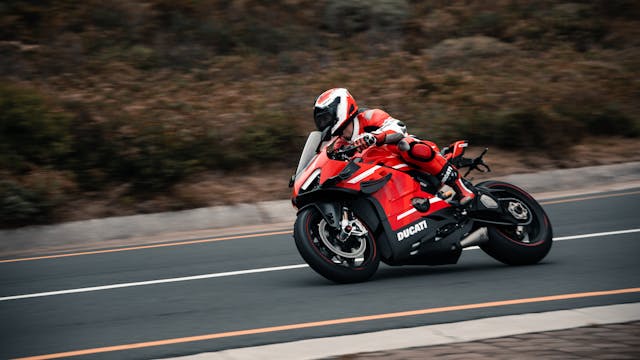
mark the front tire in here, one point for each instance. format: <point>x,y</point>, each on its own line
<point>518,245</point>
<point>354,260</point>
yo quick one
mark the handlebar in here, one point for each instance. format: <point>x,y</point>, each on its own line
<point>477,164</point>
<point>345,151</point>
<point>350,150</point>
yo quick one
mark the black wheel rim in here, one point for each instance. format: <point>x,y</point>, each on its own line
<point>353,253</point>
<point>521,209</point>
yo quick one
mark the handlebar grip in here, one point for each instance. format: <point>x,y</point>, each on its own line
<point>393,138</point>
<point>370,140</point>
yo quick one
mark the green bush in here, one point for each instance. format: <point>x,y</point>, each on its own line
<point>142,57</point>
<point>461,50</point>
<point>599,119</point>
<point>576,23</point>
<point>618,8</point>
<point>150,158</point>
<point>265,38</point>
<point>92,152</point>
<point>487,23</point>
<point>528,128</point>
<point>23,206</point>
<point>350,17</point>
<point>270,137</point>
<point>31,130</point>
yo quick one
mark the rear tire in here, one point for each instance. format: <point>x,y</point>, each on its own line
<point>316,243</point>
<point>523,245</point>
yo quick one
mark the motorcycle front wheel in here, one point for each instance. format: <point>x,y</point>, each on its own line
<point>518,245</point>
<point>354,259</point>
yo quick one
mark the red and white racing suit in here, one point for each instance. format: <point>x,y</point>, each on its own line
<point>422,154</point>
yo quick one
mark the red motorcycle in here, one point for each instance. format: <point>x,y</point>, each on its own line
<point>356,209</point>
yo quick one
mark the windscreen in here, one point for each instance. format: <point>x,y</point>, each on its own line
<point>309,151</point>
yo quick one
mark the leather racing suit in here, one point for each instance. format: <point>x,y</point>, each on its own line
<point>421,154</point>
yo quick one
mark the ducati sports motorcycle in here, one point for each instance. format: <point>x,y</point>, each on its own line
<point>356,209</point>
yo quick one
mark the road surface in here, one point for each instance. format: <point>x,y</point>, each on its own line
<point>188,297</point>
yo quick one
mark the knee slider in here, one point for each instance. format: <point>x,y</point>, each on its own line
<point>421,152</point>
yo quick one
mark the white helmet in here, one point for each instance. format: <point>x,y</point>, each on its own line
<point>334,108</point>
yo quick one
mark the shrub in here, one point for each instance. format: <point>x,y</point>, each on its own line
<point>216,35</point>
<point>462,49</point>
<point>347,17</point>
<point>150,157</point>
<point>486,23</point>
<point>599,119</point>
<point>271,136</point>
<point>527,128</point>
<point>108,15</point>
<point>351,17</point>
<point>618,8</point>
<point>92,152</point>
<point>389,15</point>
<point>265,38</point>
<point>142,57</point>
<point>31,129</point>
<point>576,23</point>
<point>22,206</point>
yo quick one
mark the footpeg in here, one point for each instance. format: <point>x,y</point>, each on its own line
<point>421,204</point>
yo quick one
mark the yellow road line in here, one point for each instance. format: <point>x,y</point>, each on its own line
<point>189,242</point>
<point>350,320</point>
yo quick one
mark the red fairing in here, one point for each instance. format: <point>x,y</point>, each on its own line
<point>396,196</point>
<point>377,162</point>
<point>457,149</point>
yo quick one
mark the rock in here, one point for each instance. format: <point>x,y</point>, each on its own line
<point>460,49</point>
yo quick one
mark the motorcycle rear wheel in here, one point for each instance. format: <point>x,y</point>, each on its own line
<point>522,245</point>
<point>350,261</point>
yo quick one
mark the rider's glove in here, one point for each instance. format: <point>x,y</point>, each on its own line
<point>364,141</point>
<point>367,139</point>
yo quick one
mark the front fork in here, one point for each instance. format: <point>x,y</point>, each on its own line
<point>350,226</point>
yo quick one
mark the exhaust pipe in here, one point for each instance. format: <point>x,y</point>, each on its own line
<point>475,238</point>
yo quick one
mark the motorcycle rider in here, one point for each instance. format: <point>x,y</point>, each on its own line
<point>337,109</point>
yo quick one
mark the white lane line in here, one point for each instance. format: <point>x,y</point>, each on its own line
<point>245,272</point>
<point>597,234</point>
<point>584,236</point>
<point>153,282</point>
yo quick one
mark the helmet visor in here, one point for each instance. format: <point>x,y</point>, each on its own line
<point>324,119</point>
<point>326,116</point>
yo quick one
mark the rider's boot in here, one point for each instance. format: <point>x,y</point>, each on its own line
<point>425,155</point>
<point>465,192</point>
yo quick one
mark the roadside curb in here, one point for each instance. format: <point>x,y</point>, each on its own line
<point>269,212</point>
<point>431,335</point>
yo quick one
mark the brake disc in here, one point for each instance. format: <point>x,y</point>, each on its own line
<point>518,210</point>
<point>326,240</point>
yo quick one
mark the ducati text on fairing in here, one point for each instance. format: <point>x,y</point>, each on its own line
<point>412,230</point>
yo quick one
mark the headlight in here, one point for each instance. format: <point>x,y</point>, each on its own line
<point>314,176</point>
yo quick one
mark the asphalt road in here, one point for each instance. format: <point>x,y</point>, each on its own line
<point>227,301</point>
